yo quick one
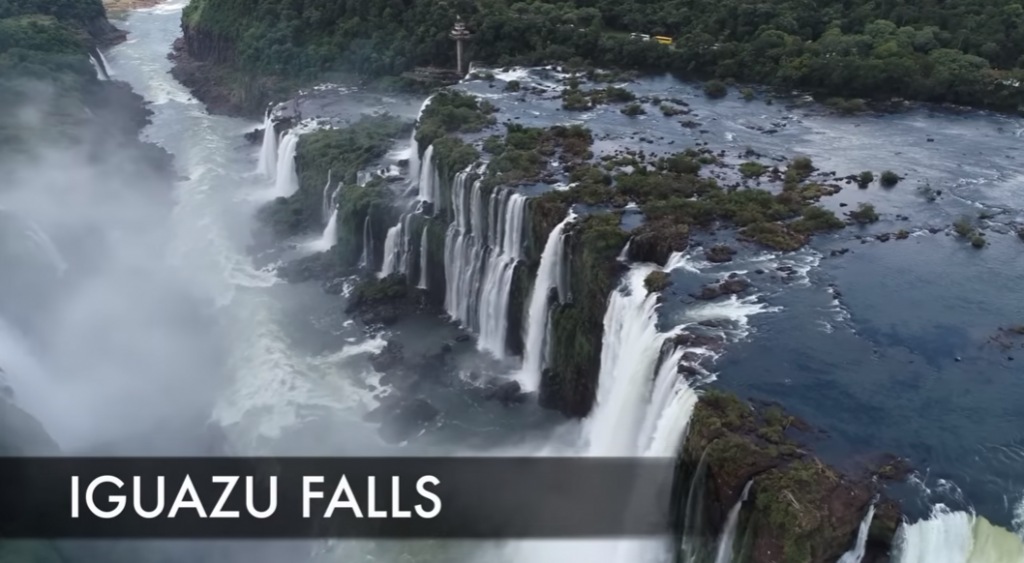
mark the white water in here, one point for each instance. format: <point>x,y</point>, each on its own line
<point>391,241</point>
<point>101,73</point>
<point>538,313</point>
<point>482,246</point>
<point>107,69</point>
<point>629,355</point>
<point>505,239</point>
<point>423,258</point>
<point>267,164</point>
<point>327,204</point>
<point>367,258</point>
<point>39,236</point>
<point>725,541</point>
<point>286,178</point>
<point>426,176</point>
<point>949,536</point>
<point>414,158</point>
<point>856,554</point>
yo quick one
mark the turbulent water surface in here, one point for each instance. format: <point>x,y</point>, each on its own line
<point>886,347</point>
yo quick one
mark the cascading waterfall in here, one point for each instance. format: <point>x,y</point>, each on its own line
<point>327,206</point>
<point>538,314</point>
<point>366,260</point>
<point>728,537</point>
<point>330,235</point>
<point>507,210</point>
<point>267,164</point>
<point>426,176</point>
<point>856,554</point>
<point>101,72</point>
<point>405,235</point>
<point>286,176</point>
<point>630,350</point>
<point>414,149</point>
<point>482,246</point>
<point>423,258</point>
<point>107,69</point>
<point>390,265</point>
<point>949,536</point>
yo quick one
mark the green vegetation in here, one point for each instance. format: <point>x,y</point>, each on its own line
<point>715,89</point>
<point>343,152</point>
<point>452,111</point>
<point>964,226</point>
<point>657,281</point>
<point>865,178</point>
<point>889,178</point>
<point>968,53</point>
<point>632,110</point>
<point>978,241</point>
<point>864,214</point>
<point>753,169</point>
<point>747,94</point>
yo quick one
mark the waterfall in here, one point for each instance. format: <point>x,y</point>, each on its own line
<point>268,150</point>
<point>101,71</point>
<point>405,235</point>
<point>423,258</point>
<point>856,554</point>
<point>728,537</point>
<point>330,235</point>
<point>107,69</point>
<point>507,210</point>
<point>426,176</point>
<point>548,276</point>
<point>390,265</point>
<point>366,261</point>
<point>286,177</point>
<point>629,355</point>
<point>414,158</point>
<point>949,536</point>
<point>327,205</point>
<point>482,246</point>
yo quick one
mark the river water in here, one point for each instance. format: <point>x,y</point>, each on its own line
<point>898,363</point>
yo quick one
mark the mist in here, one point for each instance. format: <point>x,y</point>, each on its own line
<point>105,338</point>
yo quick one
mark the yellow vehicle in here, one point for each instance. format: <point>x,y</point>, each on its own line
<point>663,40</point>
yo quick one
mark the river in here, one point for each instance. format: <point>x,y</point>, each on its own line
<point>883,347</point>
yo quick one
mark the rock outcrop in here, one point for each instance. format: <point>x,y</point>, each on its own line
<point>799,510</point>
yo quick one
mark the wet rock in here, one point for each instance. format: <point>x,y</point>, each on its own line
<point>507,393</point>
<point>727,287</point>
<point>839,252</point>
<point>390,357</point>
<point>463,338</point>
<point>404,419</point>
<point>719,253</point>
<point>655,241</point>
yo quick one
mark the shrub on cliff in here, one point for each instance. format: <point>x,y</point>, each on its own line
<point>657,281</point>
<point>715,89</point>
<point>865,213</point>
<point>752,169</point>
<point>452,111</point>
<point>889,178</point>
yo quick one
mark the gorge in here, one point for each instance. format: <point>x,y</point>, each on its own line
<point>488,270</point>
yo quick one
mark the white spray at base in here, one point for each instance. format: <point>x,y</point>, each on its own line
<point>856,554</point>
<point>949,536</point>
<point>330,235</point>
<point>537,316</point>
<point>267,164</point>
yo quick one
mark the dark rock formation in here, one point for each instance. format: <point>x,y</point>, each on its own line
<point>733,284</point>
<point>383,301</point>
<point>655,241</point>
<point>799,509</point>
<point>719,253</point>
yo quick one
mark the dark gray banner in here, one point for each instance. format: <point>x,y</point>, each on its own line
<point>393,497</point>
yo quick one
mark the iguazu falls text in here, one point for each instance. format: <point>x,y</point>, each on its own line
<point>104,497</point>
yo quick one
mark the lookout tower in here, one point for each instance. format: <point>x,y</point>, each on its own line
<point>459,34</point>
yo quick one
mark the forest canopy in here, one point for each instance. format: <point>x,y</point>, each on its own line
<point>964,51</point>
